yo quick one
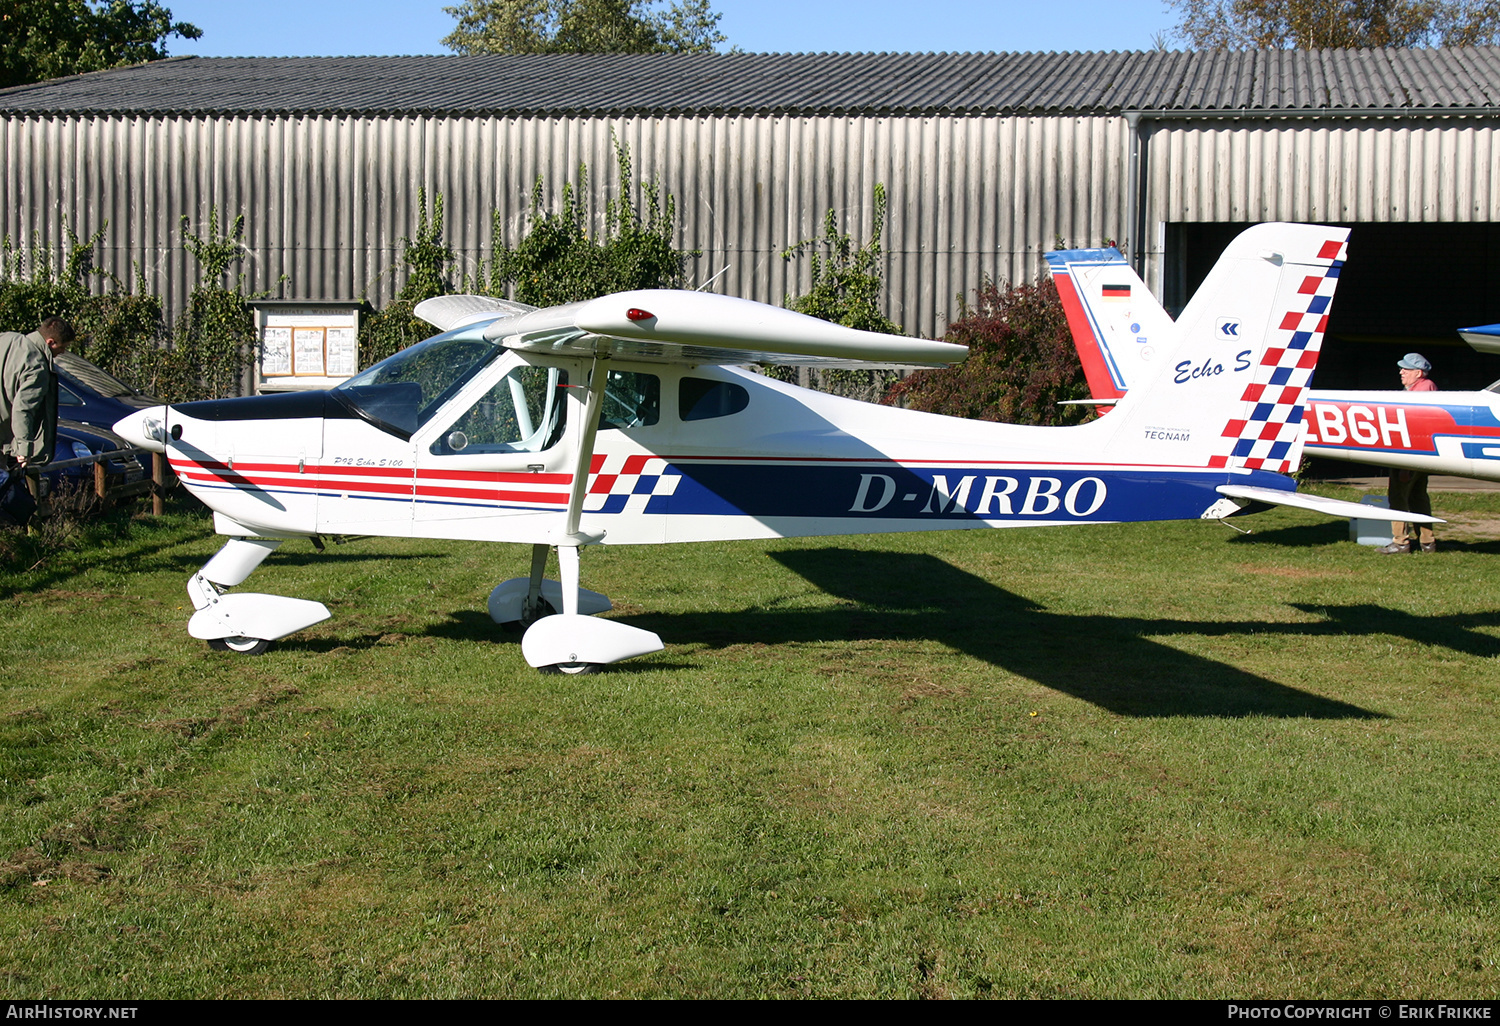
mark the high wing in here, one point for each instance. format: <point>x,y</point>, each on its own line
<point>1483,339</point>
<point>692,328</point>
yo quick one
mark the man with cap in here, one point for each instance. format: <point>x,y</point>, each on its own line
<point>28,391</point>
<point>1408,488</point>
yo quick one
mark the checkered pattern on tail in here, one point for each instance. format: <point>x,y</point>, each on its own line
<point>1268,433</point>
<point>625,484</point>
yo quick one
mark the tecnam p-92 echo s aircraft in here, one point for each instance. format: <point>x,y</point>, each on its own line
<point>630,420</point>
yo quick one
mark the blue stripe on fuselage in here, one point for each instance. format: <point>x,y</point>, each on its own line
<point>890,492</point>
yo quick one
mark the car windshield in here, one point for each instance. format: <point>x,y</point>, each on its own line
<point>401,393</point>
<point>100,381</point>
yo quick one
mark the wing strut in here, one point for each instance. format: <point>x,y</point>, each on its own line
<point>598,376</point>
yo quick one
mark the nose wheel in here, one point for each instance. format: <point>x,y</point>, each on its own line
<point>572,669</point>
<point>244,646</point>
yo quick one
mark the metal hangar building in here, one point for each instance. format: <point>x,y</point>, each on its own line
<point>988,160</point>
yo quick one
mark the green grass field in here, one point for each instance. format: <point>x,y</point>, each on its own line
<point>1135,761</point>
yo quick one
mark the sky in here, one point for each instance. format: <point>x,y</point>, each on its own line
<point>305,28</point>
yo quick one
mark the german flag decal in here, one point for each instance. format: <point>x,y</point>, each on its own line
<point>1116,292</point>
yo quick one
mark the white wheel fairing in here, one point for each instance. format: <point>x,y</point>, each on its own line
<point>564,640</point>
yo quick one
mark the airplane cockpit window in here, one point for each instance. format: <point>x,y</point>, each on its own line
<point>705,399</point>
<point>1493,388</point>
<point>526,411</point>
<point>401,393</point>
<point>630,400</point>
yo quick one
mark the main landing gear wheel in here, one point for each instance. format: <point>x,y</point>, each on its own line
<point>572,669</point>
<point>244,646</point>
<point>519,626</point>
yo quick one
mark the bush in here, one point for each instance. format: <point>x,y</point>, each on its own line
<point>1021,362</point>
<point>124,332</point>
<point>558,261</point>
<point>214,340</point>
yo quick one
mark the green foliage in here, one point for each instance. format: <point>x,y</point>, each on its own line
<point>1021,362</point>
<point>120,331</point>
<point>583,26</point>
<point>846,279</point>
<point>31,290</point>
<point>846,288</point>
<point>559,261</point>
<point>41,39</point>
<point>427,257</point>
<point>214,339</point>
<point>1336,24</point>
<point>125,334</point>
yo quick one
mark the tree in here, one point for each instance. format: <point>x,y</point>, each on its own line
<point>41,39</point>
<point>1021,362</point>
<point>583,26</point>
<point>1336,24</point>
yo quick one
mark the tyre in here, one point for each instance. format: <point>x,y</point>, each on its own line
<point>244,646</point>
<point>519,626</point>
<point>573,669</point>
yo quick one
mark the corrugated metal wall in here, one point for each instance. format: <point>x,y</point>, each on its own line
<point>328,199</point>
<point>1340,170</point>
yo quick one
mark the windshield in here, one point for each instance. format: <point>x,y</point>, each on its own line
<point>104,383</point>
<point>401,393</point>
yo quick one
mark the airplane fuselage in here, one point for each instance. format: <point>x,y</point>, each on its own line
<point>1433,432</point>
<point>685,454</point>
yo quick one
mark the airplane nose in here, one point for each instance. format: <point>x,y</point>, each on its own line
<point>146,429</point>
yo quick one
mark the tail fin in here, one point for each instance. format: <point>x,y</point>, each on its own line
<point>1229,385</point>
<point>1118,326</point>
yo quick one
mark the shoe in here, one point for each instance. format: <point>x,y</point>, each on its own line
<point>1393,548</point>
<point>1429,546</point>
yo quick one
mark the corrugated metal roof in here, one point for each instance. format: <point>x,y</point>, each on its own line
<point>802,84</point>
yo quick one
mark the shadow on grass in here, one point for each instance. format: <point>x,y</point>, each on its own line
<point>1301,536</point>
<point>471,625</point>
<point>1109,661</point>
<point>1308,535</point>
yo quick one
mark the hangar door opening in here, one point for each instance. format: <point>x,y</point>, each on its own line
<point>1407,286</point>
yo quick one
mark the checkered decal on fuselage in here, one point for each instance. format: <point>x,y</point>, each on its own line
<point>1264,438</point>
<point>625,484</point>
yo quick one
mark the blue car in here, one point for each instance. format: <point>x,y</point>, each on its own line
<point>79,441</point>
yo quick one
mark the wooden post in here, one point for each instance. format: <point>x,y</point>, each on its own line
<point>158,483</point>
<point>34,485</point>
<point>100,488</point>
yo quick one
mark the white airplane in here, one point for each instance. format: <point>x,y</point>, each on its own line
<point>1118,328</point>
<point>624,421</point>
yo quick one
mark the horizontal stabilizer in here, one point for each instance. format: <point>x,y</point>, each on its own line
<point>1319,504</point>
<point>1484,339</point>
<point>669,326</point>
<point>448,312</point>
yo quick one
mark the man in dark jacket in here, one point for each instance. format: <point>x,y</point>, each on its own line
<point>28,391</point>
